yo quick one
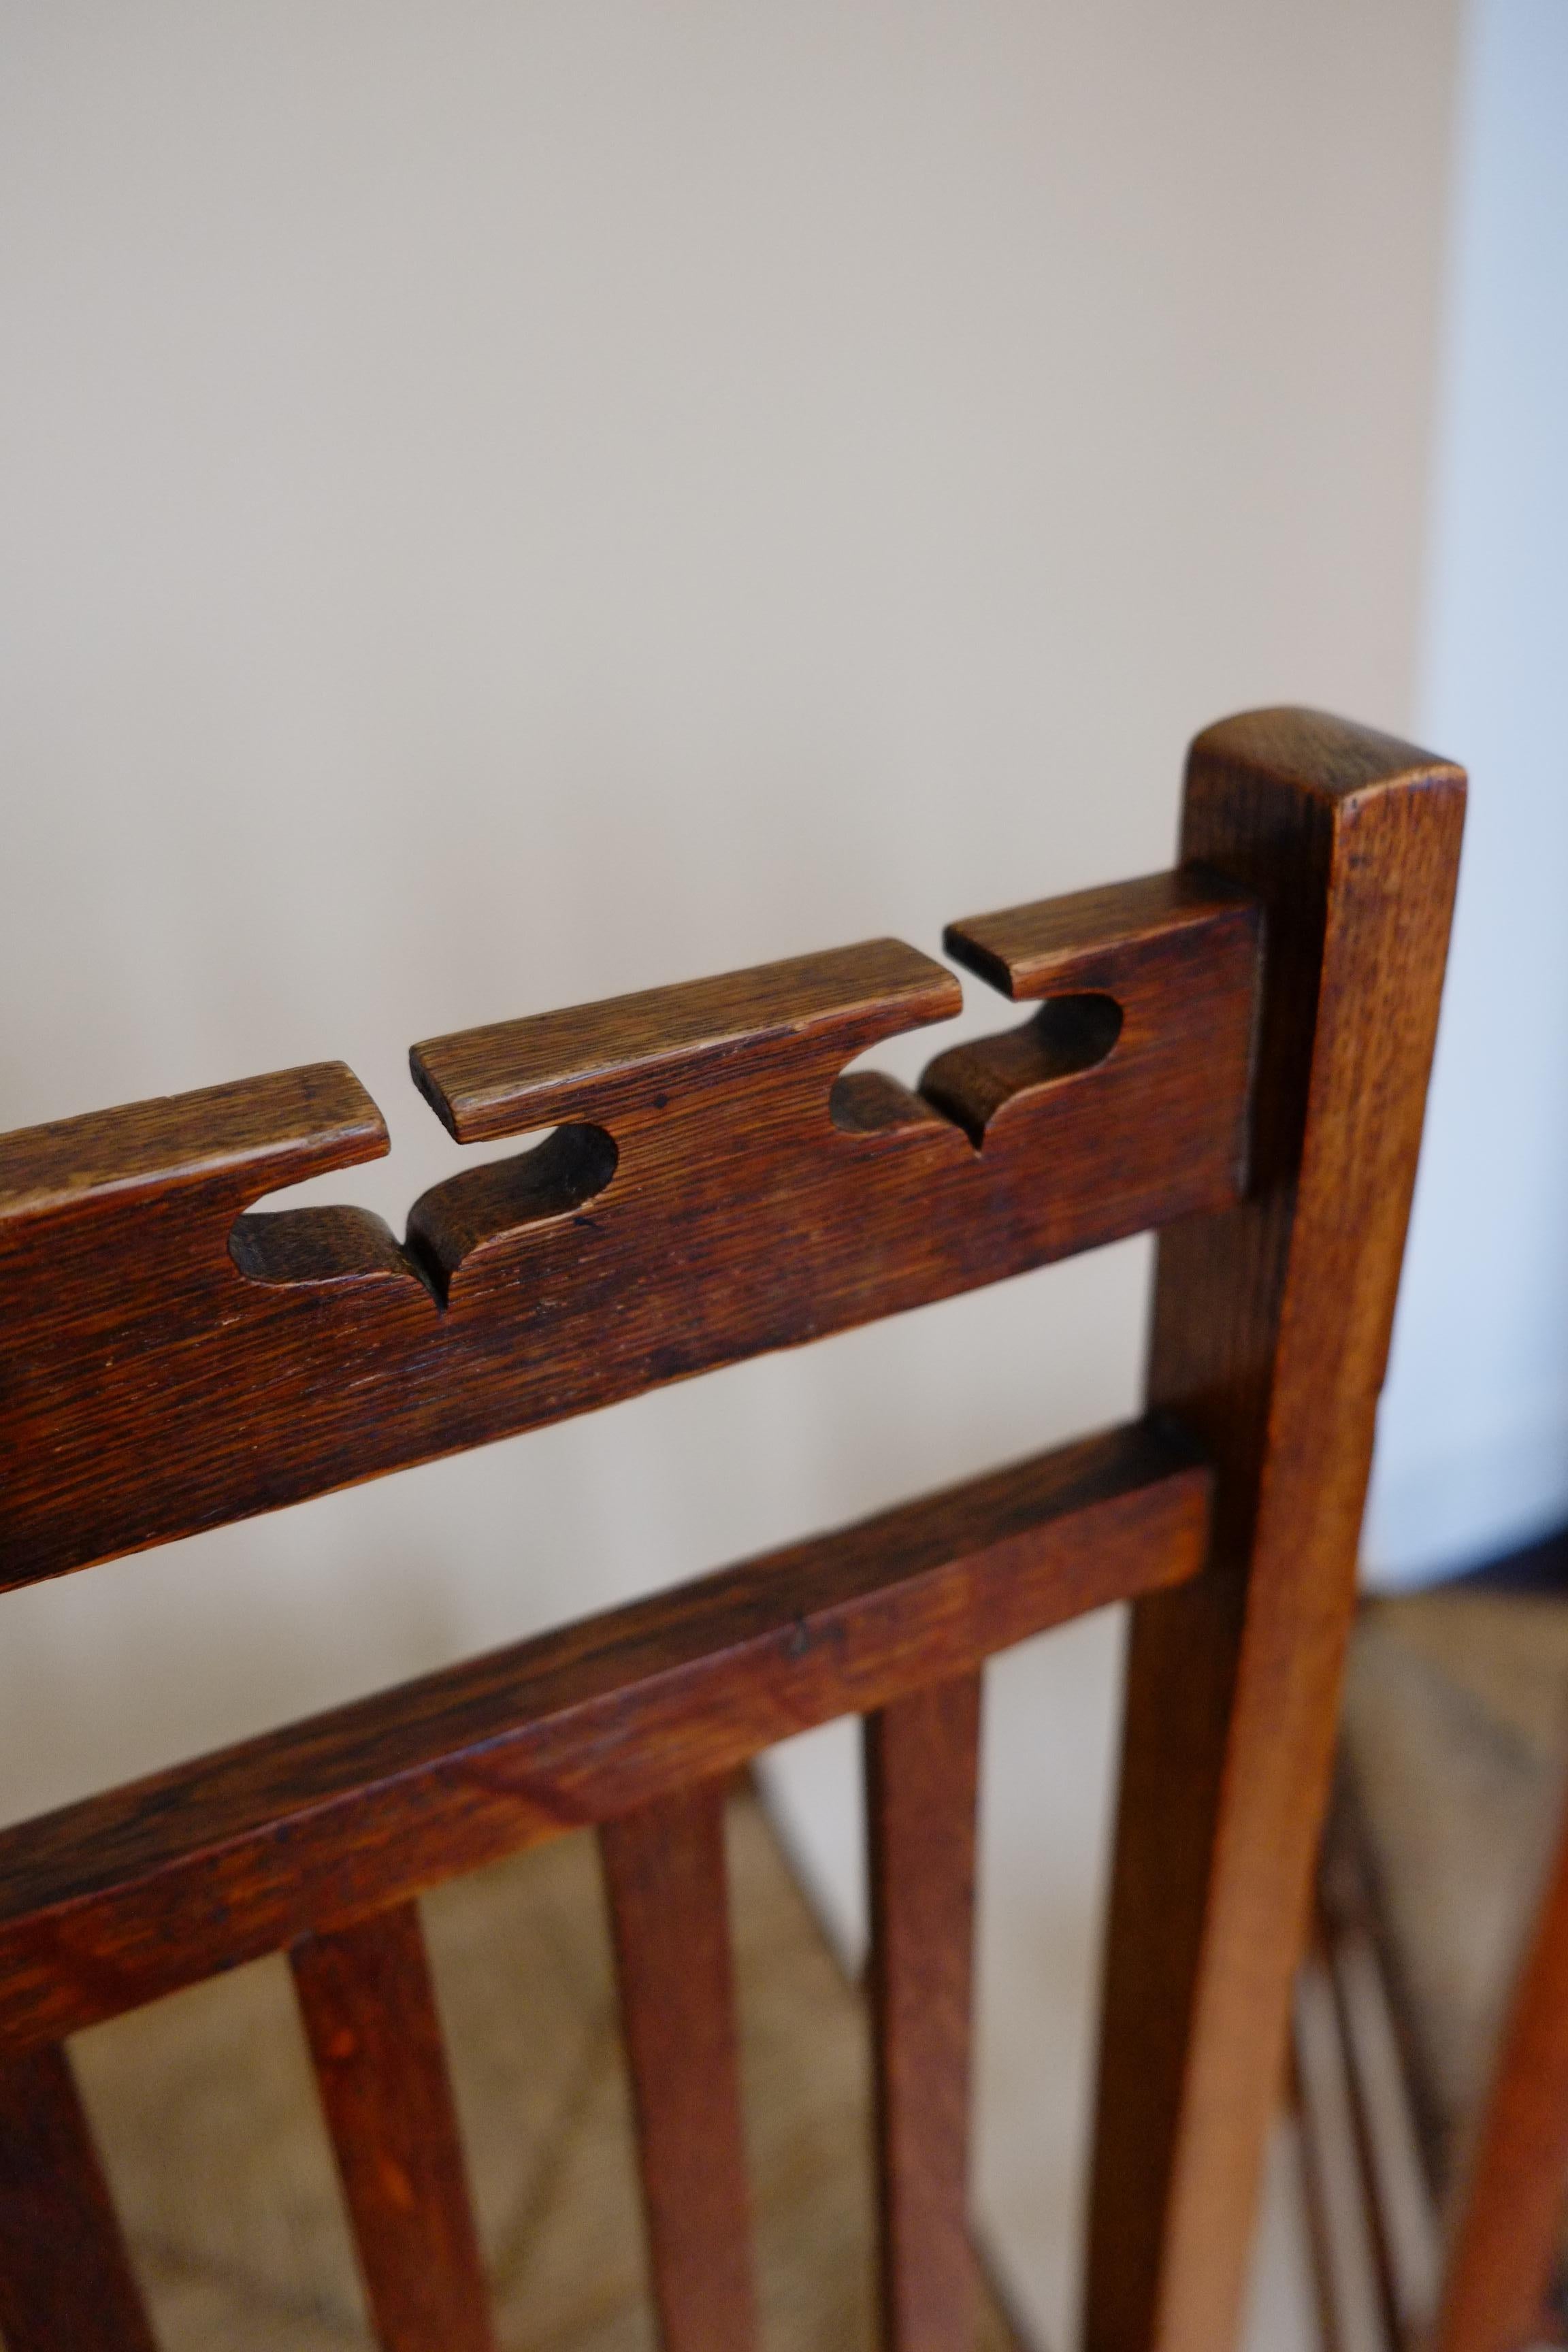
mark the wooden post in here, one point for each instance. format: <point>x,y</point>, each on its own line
<point>369,2012</point>
<point>922,1774</point>
<point>1270,1335</point>
<point>65,2274</point>
<point>669,1915</point>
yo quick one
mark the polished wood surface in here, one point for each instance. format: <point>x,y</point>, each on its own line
<point>922,1776</point>
<point>1271,1328</point>
<point>176,1357</point>
<point>1235,1054</point>
<point>664,1872</point>
<point>369,2012</point>
<point>113,1900</point>
<point>65,2277</point>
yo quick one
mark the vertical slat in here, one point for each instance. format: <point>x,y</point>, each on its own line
<point>66,2281</point>
<point>370,2016</point>
<point>663,1870</point>
<point>1406,2216</point>
<point>921,1778</point>
<point>1505,2250</point>
<point>1344,2244</point>
<point>1271,1328</point>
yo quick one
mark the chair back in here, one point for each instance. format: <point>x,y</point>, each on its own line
<point>1235,1053</point>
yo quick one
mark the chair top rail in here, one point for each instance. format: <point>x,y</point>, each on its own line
<point>176,1359</point>
<point>110,1902</point>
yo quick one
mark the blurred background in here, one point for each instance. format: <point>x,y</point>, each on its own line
<point>507,504</point>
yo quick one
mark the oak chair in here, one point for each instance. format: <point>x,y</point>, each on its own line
<point>1235,1053</point>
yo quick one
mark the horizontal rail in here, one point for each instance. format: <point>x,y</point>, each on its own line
<point>922,1782</point>
<point>111,1902</point>
<point>175,1358</point>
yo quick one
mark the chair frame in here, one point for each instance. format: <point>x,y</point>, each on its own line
<point>1235,1054</point>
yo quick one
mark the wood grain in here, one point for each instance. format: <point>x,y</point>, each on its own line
<point>1271,1328</point>
<point>113,1900</point>
<point>65,2277</point>
<point>368,2010</point>
<point>922,1762</point>
<point>665,1876</point>
<point>176,1359</point>
<point>1505,2246</point>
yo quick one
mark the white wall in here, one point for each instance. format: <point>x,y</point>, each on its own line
<point>507,503</point>
<point>1473,1438</point>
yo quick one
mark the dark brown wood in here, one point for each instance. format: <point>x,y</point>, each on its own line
<point>1115,969</point>
<point>1505,2246</point>
<point>65,2279</point>
<point>369,2010</point>
<point>1270,1333</point>
<point>176,1359</point>
<point>663,1873</point>
<point>113,1900</point>
<point>922,1763</point>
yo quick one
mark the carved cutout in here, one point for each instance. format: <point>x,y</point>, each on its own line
<point>869,1102</point>
<point>718,1181</point>
<point>308,1246</point>
<point>490,1207</point>
<point>1070,1034</point>
<point>785,1029</point>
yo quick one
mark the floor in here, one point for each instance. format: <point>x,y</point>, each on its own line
<point>206,2114</point>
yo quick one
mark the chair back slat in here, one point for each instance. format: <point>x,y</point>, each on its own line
<point>665,1875</point>
<point>370,2017</point>
<point>66,2281</point>
<point>922,1783</point>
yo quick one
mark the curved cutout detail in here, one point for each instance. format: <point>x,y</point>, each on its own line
<point>749,1201</point>
<point>863,1103</point>
<point>625,1060</point>
<point>1070,1034</point>
<point>481,1207</point>
<point>1077,1033</point>
<point>288,1247</point>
